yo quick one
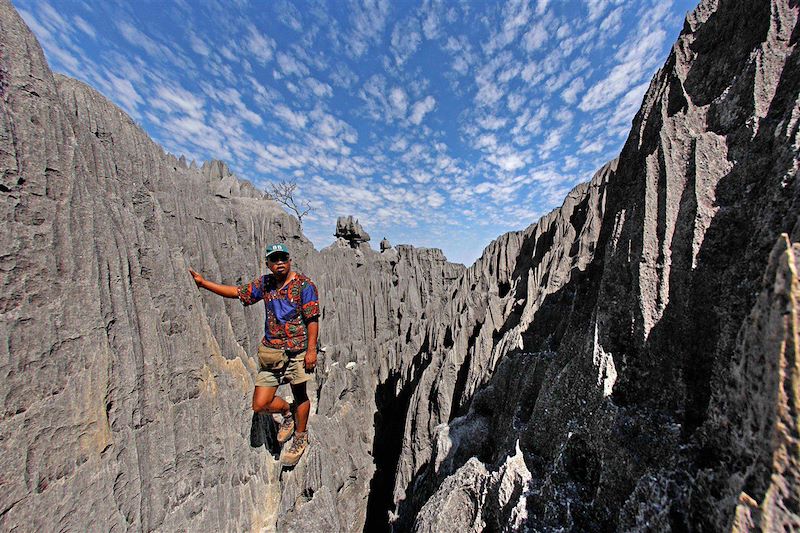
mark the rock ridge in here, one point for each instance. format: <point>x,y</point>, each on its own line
<point>606,361</point>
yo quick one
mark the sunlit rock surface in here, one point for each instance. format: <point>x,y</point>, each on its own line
<point>125,390</point>
<point>349,229</point>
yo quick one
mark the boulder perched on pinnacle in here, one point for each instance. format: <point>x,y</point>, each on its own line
<point>349,229</point>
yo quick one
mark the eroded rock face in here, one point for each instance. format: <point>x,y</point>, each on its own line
<point>350,230</point>
<point>373,309</point>
<point>125,390</point>
<point>630,341</point>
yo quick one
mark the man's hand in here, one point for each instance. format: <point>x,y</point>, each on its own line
<point>311,359</point>
<point>198,279</point>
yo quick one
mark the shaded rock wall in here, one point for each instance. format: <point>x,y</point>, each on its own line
<point>620,365</point>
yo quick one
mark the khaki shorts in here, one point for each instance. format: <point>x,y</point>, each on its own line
<point>291,368</point>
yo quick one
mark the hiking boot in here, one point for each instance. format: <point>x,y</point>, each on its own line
<point>286,429</point>
<point>290,456</point>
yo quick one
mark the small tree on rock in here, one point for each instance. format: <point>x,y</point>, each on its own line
<point>284,193</point>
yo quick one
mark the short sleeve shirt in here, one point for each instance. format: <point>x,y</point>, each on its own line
<point>288,309</point>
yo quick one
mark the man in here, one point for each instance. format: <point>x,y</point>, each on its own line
<point>288,351</point>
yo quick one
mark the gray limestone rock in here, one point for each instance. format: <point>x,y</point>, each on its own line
<point>349,229</point>
<point>630,307</point>
<point>125,390</point>
<point>223,183</point>
<point>628,362</point>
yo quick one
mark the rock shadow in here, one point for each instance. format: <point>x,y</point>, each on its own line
<point>668,379</point>
<point>264,432</point>
<point>391,410</point>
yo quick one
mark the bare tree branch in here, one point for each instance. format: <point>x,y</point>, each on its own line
<point>283,193</point>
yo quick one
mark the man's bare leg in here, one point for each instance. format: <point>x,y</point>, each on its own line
<point>264,399</point>
<point>303,406</point>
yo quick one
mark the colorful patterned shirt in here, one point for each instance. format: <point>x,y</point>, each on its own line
<point>288,309</point>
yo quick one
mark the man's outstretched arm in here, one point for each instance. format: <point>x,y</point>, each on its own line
<point>228,291</point>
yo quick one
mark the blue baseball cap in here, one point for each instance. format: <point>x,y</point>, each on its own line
<point>275,249</point>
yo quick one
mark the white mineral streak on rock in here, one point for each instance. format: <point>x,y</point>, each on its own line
<point>604,362</point>
<point>444,445</point>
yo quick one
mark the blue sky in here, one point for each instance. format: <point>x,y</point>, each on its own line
<point>438,124</point>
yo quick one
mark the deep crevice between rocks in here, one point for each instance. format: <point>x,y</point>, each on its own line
<point>391,410</point>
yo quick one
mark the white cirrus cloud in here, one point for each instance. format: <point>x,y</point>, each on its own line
<point>541,6</point>
<point>137,38</point>
<point>343,77</point>
<point>290,65</point>
<point>175,99</point>
<point>461,65</point>
<point>399,101</point>
<point>399,144</point>
<point>488,141</point>
<point>570,94</point>
<point>590,147</point>
<point>596,8</point>
<point>431,23</point>
<point>514,101</point>
<point>198,45</point>
<point>405,40</point>
<point>613,21</point>
<point>84,26</point>
<point>634,62</point>
<point>421,176</point>
<point>227,53</point>
<point>484,187</point>
<point>261,46</point>
<point>289,15</point>
<point>295,119</point>
<point>381,103</point>
<point>510,161</point>
<point>422,108</point>
<point>368,19</point>
<point>535,37</point>
<point>320,89</point>
<point>516,15</point>
<point>328,125</point>
<point>492,122</point>
<point>435,199</point>
<point>123,92</point>
<point>489,93</point>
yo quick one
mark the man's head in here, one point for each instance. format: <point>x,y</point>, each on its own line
<point>278,260</point>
